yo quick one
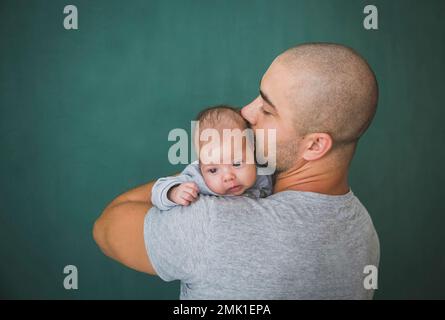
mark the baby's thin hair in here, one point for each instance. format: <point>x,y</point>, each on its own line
<point>222,118</point>
<point>220,115</point>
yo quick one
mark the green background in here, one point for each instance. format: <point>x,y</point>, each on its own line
<point>85,115</point>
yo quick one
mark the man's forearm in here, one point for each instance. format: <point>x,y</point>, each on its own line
<point>138,194</point>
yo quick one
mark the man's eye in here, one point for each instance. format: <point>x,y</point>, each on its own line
<point>265,112</point>
<point>212,170</point>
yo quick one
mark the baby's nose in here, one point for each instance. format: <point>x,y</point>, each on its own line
<point>228,177</point>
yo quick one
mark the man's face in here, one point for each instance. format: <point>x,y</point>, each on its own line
<point>272,110</point>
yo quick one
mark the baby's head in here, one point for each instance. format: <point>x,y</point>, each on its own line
<point>226,166</point>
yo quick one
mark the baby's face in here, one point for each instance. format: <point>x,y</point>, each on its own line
<point>232,176</point>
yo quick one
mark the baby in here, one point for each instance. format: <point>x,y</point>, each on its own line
<point>221,171</point>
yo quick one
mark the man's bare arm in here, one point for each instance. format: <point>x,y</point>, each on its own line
<point>119,231</point>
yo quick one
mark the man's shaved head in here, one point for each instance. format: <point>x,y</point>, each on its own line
<point>333,90</point>
<point>320,98</point>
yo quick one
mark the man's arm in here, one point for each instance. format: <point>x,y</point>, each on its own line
<point>119,231</point>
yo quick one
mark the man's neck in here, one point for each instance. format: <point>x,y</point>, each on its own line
<point>314,177</point>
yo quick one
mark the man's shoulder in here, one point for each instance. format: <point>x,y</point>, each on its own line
<point>212,204</point>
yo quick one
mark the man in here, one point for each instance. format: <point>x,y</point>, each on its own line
<point>312,238</point>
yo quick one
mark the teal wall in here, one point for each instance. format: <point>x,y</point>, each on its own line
<point>84,116</point>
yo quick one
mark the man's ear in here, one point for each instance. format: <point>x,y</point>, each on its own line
<point>317,145</point>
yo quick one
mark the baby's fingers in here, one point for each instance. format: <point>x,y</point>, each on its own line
<point>183,202</point>
<point>192,191</point>
<point>187,196</point>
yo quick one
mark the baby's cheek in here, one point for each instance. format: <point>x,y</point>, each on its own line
<point>250,175</point>
<point>213,184</point>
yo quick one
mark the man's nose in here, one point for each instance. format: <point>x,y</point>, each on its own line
<point>249,112</point>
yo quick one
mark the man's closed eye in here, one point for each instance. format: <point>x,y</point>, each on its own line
<point>265,112</point>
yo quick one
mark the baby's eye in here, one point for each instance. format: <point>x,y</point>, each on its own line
<point>237,164</point>
<point>212,170</point>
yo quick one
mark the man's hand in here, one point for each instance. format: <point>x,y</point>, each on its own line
<point>184,193</point>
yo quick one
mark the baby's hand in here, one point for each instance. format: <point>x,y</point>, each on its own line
<point>183,194</point>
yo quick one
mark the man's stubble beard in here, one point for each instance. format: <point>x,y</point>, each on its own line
<point>286,156</point>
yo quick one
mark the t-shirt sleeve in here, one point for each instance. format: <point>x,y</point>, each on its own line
<point>177,240</point>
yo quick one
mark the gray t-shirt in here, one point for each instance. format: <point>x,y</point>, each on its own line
<point>290,245</point>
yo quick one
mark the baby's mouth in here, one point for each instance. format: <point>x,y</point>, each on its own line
<point>234,189</point>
